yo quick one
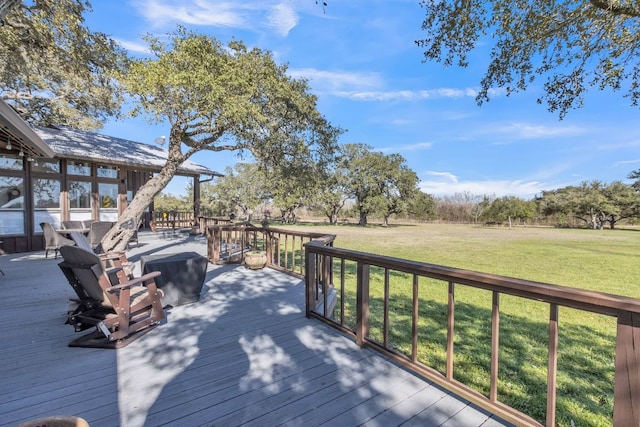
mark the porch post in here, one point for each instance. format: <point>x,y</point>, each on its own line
<point>196,202</point>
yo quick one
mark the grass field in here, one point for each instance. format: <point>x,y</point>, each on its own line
<point>604,260</point>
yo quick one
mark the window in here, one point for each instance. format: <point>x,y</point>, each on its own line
<point>79,194</point>
<point>46,201</point>
<point>46,193</point>
<point>10,162</point>
<point>78,168</point>
<point>45,165</point>
<point>107,171</point>
<point>11,205</point>
<point>108,194</point>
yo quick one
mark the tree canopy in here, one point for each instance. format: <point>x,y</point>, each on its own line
<point>574,45</point>
<point>217,98</point>
<point>53,69</point>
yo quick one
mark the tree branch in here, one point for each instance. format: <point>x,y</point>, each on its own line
<point>616,7</point>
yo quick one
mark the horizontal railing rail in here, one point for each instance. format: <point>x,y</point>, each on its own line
<point>285,249</point>
<point>162,220</point>
<point>321,260</point>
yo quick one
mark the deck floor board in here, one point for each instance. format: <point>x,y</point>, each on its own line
<point>245,354</point>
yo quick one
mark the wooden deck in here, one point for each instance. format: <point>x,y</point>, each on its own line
<point>244,355</point>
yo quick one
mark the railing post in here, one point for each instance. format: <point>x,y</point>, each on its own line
<point>362,303</point>
<point>626,400</point>
<point>268,245</point>
<point>310,282</point>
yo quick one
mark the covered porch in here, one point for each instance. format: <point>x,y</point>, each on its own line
<point>245,354</point>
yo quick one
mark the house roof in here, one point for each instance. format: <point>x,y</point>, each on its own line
<point>89,146</point>
<point>16,131</point>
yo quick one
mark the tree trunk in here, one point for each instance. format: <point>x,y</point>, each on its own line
<point>118,237</point>
<point>363,219</point>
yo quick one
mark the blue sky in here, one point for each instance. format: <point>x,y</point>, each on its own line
<point>370,79</point>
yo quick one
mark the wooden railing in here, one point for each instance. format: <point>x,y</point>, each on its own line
<point>163,220</point>
<point>208,221</point>
<point>285,248</point>
<point>324,262</point>
<point>350,309</point>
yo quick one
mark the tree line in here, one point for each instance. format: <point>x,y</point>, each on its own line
<point>361,184</point>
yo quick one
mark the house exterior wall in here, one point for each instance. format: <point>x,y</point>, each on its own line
<point>55,190</point>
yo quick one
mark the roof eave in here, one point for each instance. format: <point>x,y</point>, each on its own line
<point>20,133</point>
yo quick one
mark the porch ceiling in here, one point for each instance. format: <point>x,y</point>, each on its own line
<point>16,131</point>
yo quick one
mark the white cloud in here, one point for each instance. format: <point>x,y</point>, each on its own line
<point>446,184</point>
<point>282,18</point>
<point>274,15</point>
<point>196,12</point>
<point>329,81</point>
<point>134,46</point>
<point>531,131</point>
<point>405,95</point>
<point>408,147</point>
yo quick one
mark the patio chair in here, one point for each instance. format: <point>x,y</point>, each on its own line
<point>53,240</point>
<point>114,259</point>
<point>120,313</point>
<point>97,231</point>
<point>72,224</point>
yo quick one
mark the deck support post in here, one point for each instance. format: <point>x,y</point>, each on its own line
<point>626,400</point>
<point>362,304</point>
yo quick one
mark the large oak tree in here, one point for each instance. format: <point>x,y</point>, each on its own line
<point>215,98</point>
<point>574,45</point>
<point>53,69</point>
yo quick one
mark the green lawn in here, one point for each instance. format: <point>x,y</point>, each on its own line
<point>605,260</point>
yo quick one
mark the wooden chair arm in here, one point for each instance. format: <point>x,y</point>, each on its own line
<point>134,282</point>
<point>112,255</point>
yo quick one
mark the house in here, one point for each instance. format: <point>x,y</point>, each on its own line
<point>55,174</point>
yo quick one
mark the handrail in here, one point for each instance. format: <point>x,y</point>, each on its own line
<point>285,248</point>
<point>324,298</point>
<point>320,260</point>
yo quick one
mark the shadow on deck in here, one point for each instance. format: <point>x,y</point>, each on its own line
<point>244,355</point>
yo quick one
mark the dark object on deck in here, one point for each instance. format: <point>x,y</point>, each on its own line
<point>120,313</point>
<point>53,240</point>
<point>182,275</point>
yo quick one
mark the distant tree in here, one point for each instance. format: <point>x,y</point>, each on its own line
<point>575,45</point>
<point>239,191</point>
<point>219,98</point>
<point>165,202</point>
<point>330,198</point>
<point>53,69</point>
<point>624,202</point>
<point>399,187</point>
<point>460,207</point>
<point>635,175</point>
<point>594,203</point>
<point>358,164</point>
<point>509,208</point>
<point>378,183</point>
<point>421,206</point>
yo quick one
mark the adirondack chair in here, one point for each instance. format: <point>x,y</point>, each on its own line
<point>120,313</point>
